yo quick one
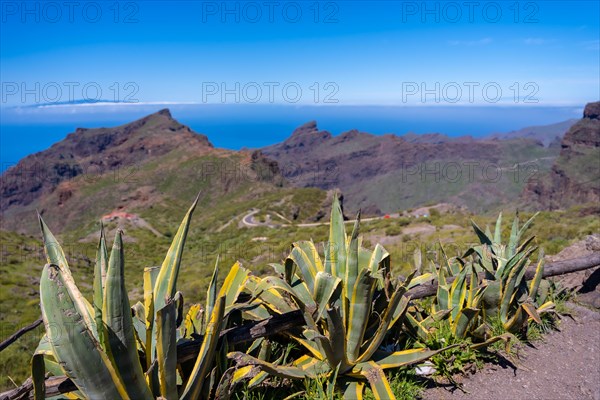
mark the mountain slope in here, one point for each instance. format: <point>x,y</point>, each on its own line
<point>547,134</point>
<point>94,152</point>
<point>387,173</point>
<point>152,164</point>
<point>575,175</point>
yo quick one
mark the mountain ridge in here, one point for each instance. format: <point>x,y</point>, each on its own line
<point>547,134</point>
<point>164,158</point>
<point>397,169</point>
<point>152,162</point>
<point>575,175</point>
<point>96,150</point>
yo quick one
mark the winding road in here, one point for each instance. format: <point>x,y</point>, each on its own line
<point>248,220</point>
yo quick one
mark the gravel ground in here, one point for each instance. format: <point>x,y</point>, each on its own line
<point>565,365</point>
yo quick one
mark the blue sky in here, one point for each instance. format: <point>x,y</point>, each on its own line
<point>357,52</point>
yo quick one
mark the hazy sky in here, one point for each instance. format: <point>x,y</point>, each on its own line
<point>303,52</point>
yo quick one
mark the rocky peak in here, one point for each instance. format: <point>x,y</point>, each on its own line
<point>586,131</point>
<point>157,132</point>
<point>592,110</point>
<point>307,134</point>
<point>432,138</point>
<point>104,149</point>
<point>352,133</point>
<point>306,129</point>
<point>574,175</point>
<point>165,111</point>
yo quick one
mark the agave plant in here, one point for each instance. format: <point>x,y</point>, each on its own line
<point>458,302</point>
<point>507,295</point>
<point>107,352</point>
<point>349,302</point>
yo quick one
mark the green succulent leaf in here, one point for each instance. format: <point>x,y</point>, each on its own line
<point>498,230</point>
<point>205,358</point>
<point>100,270</point>
<point>233,284</point>
<point>359,306</point>
<point>462,321</point>
<point>38,367</point>
<point>211,293</point>
<point>335,251</point>
<point>483,238</point>
<point>73,343</point>
<point>377,380</point>
<point>56,256</point>
<point>325,287</point>
<point>150,275</point>
<point>352,268</point>
<point>307,268</point>
<point>166,281</point>
<point>118,331</point>
<point>406,357</point>
<point>353,390</point>
<point>292,372</point>
<point>166,350</point>
<point>537,278</point>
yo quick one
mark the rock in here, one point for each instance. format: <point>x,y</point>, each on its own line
<point>592,110</point>
<point>573,179</point>
<point>584,283</point>
<point>426,369</point>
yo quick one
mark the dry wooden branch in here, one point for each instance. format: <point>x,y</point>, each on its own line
<point>12,338</point>
<point>20,393</point>
<point>246,333</point>
<point>55,386</point>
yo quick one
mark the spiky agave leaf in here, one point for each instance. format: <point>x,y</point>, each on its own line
<point>310,368</point>
<point>118,329</point>
<point>335,254</point>
<point>193,386</point>
<point>233,285</point>
<point>377,380</point>
<point>359,309</point>
<point>73,344</point>
<point>56,256</point>
<point>100,270</point>
<point>537,278</point>
<point>166,281</point>
<point>166,350</point>
<point>150,274</point>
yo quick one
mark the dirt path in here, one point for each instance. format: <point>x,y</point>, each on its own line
<point>565,366</point>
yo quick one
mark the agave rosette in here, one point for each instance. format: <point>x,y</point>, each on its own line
<point>349,302</point>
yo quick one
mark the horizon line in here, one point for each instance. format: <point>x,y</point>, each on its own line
<point>103,104</point>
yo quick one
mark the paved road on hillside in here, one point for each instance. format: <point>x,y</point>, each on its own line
<point>249,221</point>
